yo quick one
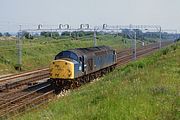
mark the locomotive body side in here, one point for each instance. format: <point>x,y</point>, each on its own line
<point>73,64</point>
<point>100,60</point>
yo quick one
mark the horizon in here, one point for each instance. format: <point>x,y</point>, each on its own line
<point>95,12</point>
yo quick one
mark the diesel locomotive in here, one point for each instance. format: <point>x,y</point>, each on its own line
<point>77,66</point>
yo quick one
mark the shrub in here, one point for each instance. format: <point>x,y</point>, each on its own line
<point>174,47</point>
<point>165,51</point>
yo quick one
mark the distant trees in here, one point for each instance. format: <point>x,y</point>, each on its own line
<point>65,33</point>
<point>1,34</point>
<point>27,35</point>
<point>127,33</point>
<point>177,40</point>
<point>151,34</point>
<point>74,34</point>
<point>7,34</point>
<point>50,34</point>
<point>77,33</point>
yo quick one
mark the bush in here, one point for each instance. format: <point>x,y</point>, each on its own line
<point>27,35</point>
<point>4,60</point>
<point>165,51</point>
<point>18,67</point>
<point>174,47</point>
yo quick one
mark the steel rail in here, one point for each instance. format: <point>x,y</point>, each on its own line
<point>9,105</point>
<point>12,76</point>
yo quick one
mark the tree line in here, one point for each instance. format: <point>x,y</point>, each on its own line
<point>7,34</point>
<point>126,33</point>
<point>57,35</point>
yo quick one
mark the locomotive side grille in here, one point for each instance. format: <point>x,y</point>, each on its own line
<point>90,64</point>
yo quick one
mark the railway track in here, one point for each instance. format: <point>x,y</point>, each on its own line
<point>24,99</point>
<point>121,60</point>
<point>18,101</point>
<point>14,81</point>
<point>21,74</point>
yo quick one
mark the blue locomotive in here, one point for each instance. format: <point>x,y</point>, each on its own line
<point>82,64</point>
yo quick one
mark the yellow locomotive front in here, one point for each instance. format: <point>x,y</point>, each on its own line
<point>65,66</point>
<point>62,69</point>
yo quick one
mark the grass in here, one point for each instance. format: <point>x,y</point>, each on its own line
<point>40,52</point>
<point>147,89</point>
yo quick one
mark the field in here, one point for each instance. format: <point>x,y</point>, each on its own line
<point>148,89</point>
<point>38,53</point>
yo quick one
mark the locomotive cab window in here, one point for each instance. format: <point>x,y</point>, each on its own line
<point>80,59</point>
<point>67,54</point>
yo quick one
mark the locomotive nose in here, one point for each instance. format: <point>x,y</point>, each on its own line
<point>62,69</point>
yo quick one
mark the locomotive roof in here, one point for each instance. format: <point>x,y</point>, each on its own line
<point>91,50</point>
<point>78,52</point>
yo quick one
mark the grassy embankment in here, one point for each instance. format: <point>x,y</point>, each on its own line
<point>148,89</point>
<point>40,52</point>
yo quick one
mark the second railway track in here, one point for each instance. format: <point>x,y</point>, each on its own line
<point>25,98</point>
<point>15,81</point>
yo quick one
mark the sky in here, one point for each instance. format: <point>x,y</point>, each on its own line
<point>94,12</point>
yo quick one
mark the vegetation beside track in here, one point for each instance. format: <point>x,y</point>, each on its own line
<point>39,52</point>
<point>145,89</point>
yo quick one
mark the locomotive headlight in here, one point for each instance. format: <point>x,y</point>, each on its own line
<point>80,68</point>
